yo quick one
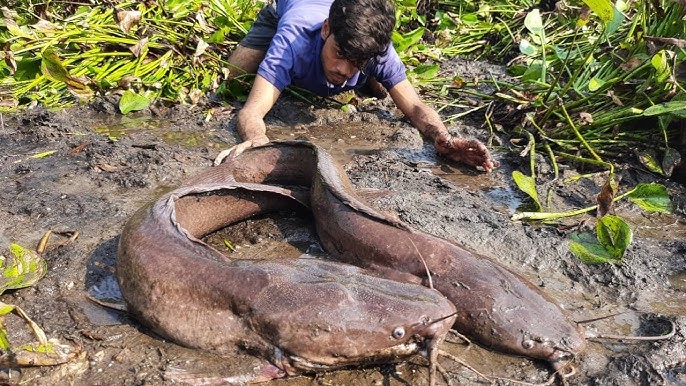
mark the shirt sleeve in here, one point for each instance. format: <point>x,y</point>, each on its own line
<point>389,69</point>
<point>278,62</point>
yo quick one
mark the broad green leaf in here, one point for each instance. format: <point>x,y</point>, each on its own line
<point>602,8</point>
<point>527,185</point>
<point>533,22</point>
<point>52,67</point>
<point>661,65</point>
<point>652,198</point>
<point>404,41</point>
<point>594,84</point>
<point>23,269</point>
<point>590,250</point>
<point>666,108</point>
<point>615,234</point>
<point>527,48</point>
<point>130,101</point>
<point>426,71</point>
<point>617,18</point>
<point>647,159</point>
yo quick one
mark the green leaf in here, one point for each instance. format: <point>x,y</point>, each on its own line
<point>527,185</point>
<point>4,341</point>
<point>44,154</point>
<point>426,71</point>
<point>652,198</point>
<point>666,108</point>
<point>615,234</point>
<point>527,48</point>
<point>404,41</point>
<point>52,67</point>
<point>602,8</point>
<point>589,250</point>
<point>659,62</point>
<point>594,84</point>
<point>617,18</point>
<point>533,22</point>
<point>130,101</point>
<point>23,269</point>
<point>647,159</point>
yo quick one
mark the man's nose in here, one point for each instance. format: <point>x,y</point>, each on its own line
<point>345,67</point>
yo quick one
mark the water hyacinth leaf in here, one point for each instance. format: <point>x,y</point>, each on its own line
<point>130,101</point>
<point>426,71</point>
<point>404,41</point>
<point>602,8</point>
<point>527,185</point>
<point>52,67</point>
<point>647,159</point>
<point>23,268</point>
<point>651,197</point>
<point>615,234</point>
<point>671,107</point>
<point>589,250</point>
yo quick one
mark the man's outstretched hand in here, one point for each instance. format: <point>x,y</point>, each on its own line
<point>467,151</point>
<point>240,148</point>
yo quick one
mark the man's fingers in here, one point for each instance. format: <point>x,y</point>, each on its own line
<point>222,155</point>
<point>234,151</point>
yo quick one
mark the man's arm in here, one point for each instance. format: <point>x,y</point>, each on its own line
<point>250,125</point>
<point>427,121</point>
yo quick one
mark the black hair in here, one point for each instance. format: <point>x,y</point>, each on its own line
<point>362,28</point>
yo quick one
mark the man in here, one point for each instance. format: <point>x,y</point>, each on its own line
<point>328,47</point>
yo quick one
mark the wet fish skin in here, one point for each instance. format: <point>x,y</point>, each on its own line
<point>303,315</point>
<point>496,307</point>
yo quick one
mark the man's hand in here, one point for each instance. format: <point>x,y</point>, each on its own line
<point>467,151</point>
<point>240,148</point>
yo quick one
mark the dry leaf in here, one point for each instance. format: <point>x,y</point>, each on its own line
<point>138,48</point>
<point>585,119</point>
<point>128,19</point>
<point>606,196</point>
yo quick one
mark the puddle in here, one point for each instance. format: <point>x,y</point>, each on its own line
<point>164,130</point>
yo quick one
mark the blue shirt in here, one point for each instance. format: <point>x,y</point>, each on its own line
<point>294,55</point>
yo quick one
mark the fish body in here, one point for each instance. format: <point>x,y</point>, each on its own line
<point>496,307</point>
<point>302,315</point>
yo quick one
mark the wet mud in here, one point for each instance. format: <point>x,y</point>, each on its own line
<point>107,166</point>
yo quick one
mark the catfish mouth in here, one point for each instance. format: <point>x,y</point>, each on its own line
<point>390,354</point>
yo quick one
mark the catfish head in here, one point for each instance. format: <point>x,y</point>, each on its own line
<point>333,315</point>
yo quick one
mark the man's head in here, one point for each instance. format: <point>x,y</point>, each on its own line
<point>355,32</point>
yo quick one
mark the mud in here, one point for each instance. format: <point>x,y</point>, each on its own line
<point>106,166</point>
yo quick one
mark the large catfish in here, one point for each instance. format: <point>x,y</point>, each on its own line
<point>302,315</point>
<point>496,307</point>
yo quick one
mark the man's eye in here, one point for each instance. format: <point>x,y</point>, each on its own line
<point>339,54</point>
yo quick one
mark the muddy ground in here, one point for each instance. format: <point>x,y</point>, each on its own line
<point>107,166</point>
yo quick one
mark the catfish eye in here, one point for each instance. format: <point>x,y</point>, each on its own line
<point>528,344</point>
<point>398,332</point>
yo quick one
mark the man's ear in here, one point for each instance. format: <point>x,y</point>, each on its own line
<point>325,29</point>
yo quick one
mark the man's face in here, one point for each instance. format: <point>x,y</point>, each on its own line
<point>337,69</point>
